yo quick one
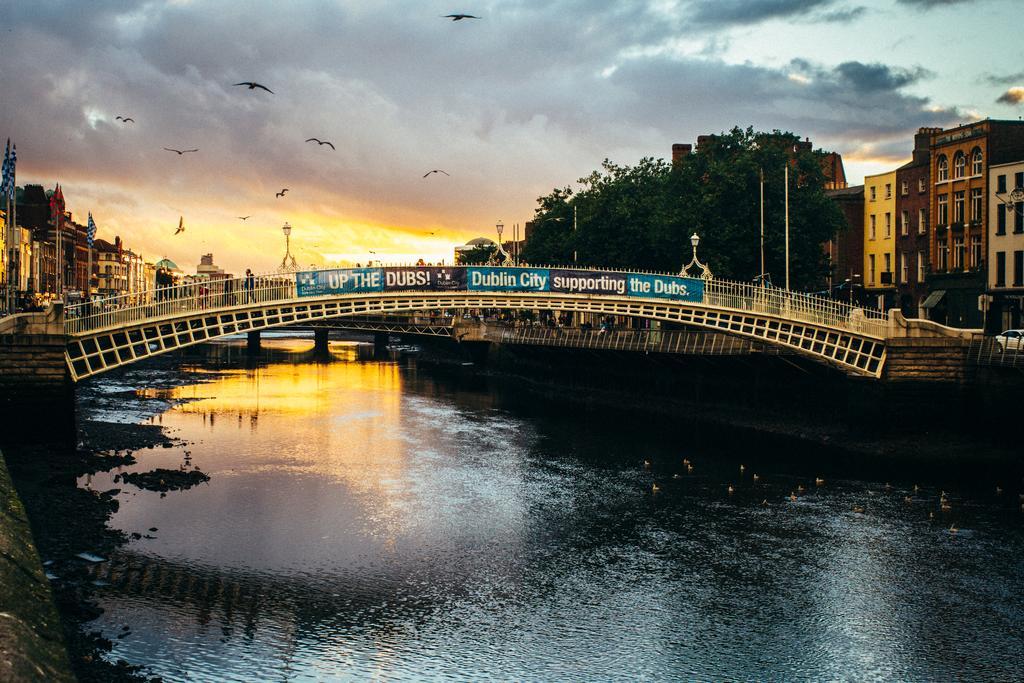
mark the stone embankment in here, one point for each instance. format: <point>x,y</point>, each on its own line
<point>31,644</point>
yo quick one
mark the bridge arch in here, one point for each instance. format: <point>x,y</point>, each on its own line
<point>93,351</point>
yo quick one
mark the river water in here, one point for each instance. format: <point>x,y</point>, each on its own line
<point>368,520</point>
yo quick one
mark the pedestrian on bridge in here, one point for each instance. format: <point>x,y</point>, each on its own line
<point>250,285</point>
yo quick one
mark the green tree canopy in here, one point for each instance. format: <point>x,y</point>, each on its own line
<point>642,216</point>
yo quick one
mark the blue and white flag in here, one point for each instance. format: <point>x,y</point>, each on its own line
<point>6,170</point>
<point>90,231</point>
<point>12,173</point>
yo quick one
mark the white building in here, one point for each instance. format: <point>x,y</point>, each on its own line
<point>1006,243</point>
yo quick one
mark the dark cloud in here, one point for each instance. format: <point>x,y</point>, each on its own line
<point>1012,96</point>
<point>878,77</point>
<point>733,12</point>
<point>928,4</point>
<point>849,103</point>
<point>843,16</point>
<point>1007,79</point>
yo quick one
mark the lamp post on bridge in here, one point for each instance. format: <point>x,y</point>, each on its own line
<point>500,257</point>
<point>705,271</point>
<point>288,263</point>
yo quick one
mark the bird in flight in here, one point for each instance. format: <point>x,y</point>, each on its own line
<point>252,86</point>
<point>281,193</point>
<point>372,251</point>
<point>459,17</point>
<point>436,170</point>
<point>321,142</point>
<point>242,218</point>
<point>181,225</point>
<point>124,119</point>
<point>181,151</point>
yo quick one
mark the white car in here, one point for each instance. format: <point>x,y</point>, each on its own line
<point>1010,340</point>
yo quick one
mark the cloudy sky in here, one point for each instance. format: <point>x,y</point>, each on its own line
<point>531,96</point>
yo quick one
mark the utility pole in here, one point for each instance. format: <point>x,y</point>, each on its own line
<point>574,223</point>
<point>787,224</point>
<point>761,173</point>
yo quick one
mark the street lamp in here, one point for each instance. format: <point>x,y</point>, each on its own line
<point>288,263</point>
<point>705,271</point>
<point>500,257</point>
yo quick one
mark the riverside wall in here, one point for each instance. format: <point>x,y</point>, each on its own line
<point>36,392</point>
<point>31,644</point>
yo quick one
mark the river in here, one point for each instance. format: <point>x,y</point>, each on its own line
<point>368,519</point>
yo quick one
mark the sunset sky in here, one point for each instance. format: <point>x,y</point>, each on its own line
<point>531,96</point>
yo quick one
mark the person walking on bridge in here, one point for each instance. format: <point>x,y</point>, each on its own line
<point>250,285</point>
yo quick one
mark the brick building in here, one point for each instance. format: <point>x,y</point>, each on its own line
<point>912,242</point>
<point>960,160</point>
<point>845,251</point>
<point>1006,246</point>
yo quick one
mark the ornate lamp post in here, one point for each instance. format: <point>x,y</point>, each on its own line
<point>705,271</point>
<point>288,263</point>
<point>500,257</point>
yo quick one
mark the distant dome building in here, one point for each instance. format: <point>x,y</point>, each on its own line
<point>167,264</point>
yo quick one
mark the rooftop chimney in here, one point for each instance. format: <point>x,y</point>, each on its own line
<point>680,151</point>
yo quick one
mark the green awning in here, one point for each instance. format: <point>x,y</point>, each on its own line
<point>934,298</point>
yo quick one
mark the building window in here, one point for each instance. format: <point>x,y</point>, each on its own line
<point>888,267</point>
<point>1018,181</point>
<point>1018,269</point>
<point>959,165</point>
<point>871,269</point>
<point>920,266</point>
<point>904,274</point>
<point>922,222</point>
<point>943,168</point>
<point>922,186</point>
<point>888,225</point>
<point>1018,218</point>
<point>942,219</point>
<point>976,205</point>
<point>1000,184</point>
<point>1001,219</point>
<point>904,188</point>
<point>958,206</point>
<point>975,251</point>
<point>976,161</point>
<point>872,189</point>
<point>871,228</point>
<point>905,223</point>
<point>888,190</point>
<point>958,253</point>
<point>942,257</point>
<point>1000,269</point>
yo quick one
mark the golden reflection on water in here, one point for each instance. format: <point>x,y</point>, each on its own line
<point>341,421</point>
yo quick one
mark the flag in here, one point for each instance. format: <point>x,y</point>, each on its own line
<point>90,231</point>
<point>6,170</point>
<point>11,179</point>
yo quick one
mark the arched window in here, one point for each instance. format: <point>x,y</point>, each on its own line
<point>959,165</point>
<point>976,161</point>
<point>943,168</point>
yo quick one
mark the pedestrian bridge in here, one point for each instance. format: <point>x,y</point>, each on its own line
<point>127,329</point>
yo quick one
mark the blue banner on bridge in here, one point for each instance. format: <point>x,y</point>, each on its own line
<point>507,279</point>
<point>666,287</point>
<point>497,279</point>
<point>339,281</point>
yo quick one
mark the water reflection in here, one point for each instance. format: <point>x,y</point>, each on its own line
<point>364,519</point>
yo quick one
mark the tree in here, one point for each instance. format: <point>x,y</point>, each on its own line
<point>641,217</point>
<point>476,256</point>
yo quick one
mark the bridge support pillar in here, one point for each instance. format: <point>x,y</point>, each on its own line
<point>36,393</point>
<point>321,337</point>
<point>380,343</point>
<point>252,344</point>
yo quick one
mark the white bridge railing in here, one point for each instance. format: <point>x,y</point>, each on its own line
<point>217,295</point>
